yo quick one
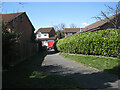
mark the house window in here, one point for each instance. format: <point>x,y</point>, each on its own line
<point>69,34</point>
<point>45,34</point>
<point>46,43</point>
<point>52,35</point>
<point>39,34</point>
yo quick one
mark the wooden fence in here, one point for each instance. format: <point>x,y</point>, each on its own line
<point>23,50</point>
<point>26,49</point>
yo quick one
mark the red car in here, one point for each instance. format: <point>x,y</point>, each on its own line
<point>49,47</point>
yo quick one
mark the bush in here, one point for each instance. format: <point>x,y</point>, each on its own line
<point>54,45</point>
<point>104,42</point>
<point>9,40</point>
<point>44,47</point>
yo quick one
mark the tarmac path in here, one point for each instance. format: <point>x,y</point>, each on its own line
<point>88,77</point>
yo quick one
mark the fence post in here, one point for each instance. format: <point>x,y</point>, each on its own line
<point>37,47</point>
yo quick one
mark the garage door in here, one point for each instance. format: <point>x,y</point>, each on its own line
<point>50,43</point>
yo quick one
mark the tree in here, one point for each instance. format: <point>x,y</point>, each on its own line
<point>60,34</point>
<point>59,26</point>
<point>9,40</point>
<point>115,11</point>
<point>60,30</point>
<point>73,26</point>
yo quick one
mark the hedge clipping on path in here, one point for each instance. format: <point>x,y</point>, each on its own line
<point>103,42</point>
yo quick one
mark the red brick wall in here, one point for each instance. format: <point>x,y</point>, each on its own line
<point>22,25</point>
<point>25,47</point>
<point>52,32</point>
<point>106,26</point>
<point>109,25</point>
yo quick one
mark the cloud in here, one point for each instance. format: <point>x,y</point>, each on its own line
<point>85,24</point>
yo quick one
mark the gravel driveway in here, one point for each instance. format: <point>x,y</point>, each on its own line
<point>88,77</point>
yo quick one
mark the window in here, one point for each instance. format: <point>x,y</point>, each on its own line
<point>45,34</point>
<point>52,35</point>
<point>39,34</point>
<point>69,34</point>
<point>45,43</point>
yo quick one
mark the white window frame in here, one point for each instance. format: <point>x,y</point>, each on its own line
<point>39,34</point>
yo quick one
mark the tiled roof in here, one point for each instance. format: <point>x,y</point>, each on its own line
<point>97,24</point>
<point>11,16</point>
<point>82,29</point>
<point>51,38</point>
<point>70,30</point>
<point>44,30</point>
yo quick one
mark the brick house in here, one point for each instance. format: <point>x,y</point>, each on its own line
<point>19,23</point>
<point>46,35</point>
<point>71,31</point>
<point>100,25</point>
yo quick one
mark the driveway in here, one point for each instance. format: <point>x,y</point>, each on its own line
<point>88,77</point>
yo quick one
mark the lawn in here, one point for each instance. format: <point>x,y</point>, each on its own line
<point>28,74</point>
<point>101,63</point>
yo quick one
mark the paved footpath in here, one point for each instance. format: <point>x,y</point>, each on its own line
<point>88,77</point>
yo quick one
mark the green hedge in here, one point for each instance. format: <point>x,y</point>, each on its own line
<point>54,45</point>
<point>104,42</point>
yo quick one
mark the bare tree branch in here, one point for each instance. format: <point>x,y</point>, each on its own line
<point>59,26</point>
<point>111,11</point>
<point>73,26</point>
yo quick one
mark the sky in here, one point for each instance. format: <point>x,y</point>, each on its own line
<point>49,14</point>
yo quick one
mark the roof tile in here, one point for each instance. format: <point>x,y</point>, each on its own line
<point>45,30</point>
<point>11,16</point>
<point>71,30</point>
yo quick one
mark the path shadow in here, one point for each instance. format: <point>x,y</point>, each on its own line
<point>50,52</point>
<point>89,80</point>
<point>115,70</point>
<point>18,75</point>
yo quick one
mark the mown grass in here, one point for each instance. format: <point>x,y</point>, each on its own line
<point>28,74</point>
<point>101,63</point>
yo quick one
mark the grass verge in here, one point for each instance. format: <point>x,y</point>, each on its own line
<point>111,65</point>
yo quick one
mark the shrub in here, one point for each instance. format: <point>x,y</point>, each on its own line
<point>104,42</point>
<point>9,40</point>
<point>54,45</point>
<point>44,47</point>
